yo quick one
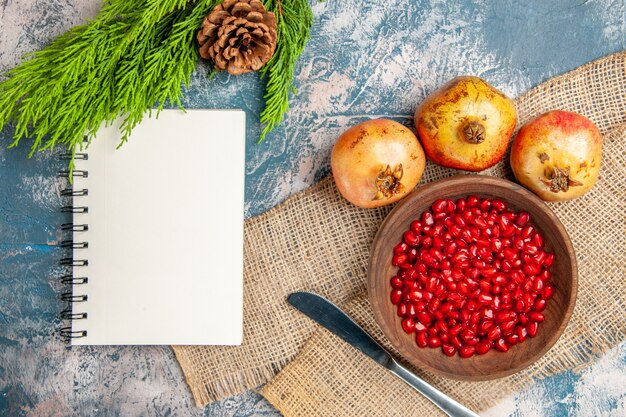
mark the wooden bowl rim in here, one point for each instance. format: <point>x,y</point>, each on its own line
<point>496,183</point>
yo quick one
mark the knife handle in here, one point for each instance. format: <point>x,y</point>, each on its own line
<point>441,400</point>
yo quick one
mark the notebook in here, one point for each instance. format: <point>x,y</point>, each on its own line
<point>157,233</point>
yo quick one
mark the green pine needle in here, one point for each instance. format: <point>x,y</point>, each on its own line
<point>133,56</point>
<point>294,19</point>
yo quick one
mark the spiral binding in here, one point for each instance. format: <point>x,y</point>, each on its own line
<point>71,281</point>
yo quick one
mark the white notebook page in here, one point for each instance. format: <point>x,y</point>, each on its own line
<point>165,232</point>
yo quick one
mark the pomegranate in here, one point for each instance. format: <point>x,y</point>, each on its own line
<point>472,276</point>
<point>466,124</point>
<point>377,162</point>
<point>557,155</point>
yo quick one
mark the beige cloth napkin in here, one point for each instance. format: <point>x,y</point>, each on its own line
<point>317,241</point>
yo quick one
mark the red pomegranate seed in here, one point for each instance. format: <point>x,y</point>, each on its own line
<point>434,342</point>
<point>483,327</point>
<point>428,220</point>
<point>499,279</point>
<point>499,205</point>
<point>523,318</point>
<point>422,340</point>
<point>519,306</point>
<point>522,219</point>
<point>472,201</point>
<point>467,351</point>
<point>540,304</point>
<point>505,315</point>
<point>483,347</point>
<point>531,268</point>
<point>512,339</point>
<point>408,325</point>
<point>411,238</point>
<point>448,350</point>
<point>548,292</point>
<point>402,310</point>
<point>510,254</point>
<point>494,332</point>
<point>484,298</point>
<point>416,227</point>
<point>537,284</point>
<point>439,205</point>
<point>397,283</point>
<point>532,328</point>
<point>400,249</point>
<point>420,328</point>
<point>521,332</point>
<point>527,231</point>
<point>501,345</point>
<point>508,327</point>
<point>535,316</point>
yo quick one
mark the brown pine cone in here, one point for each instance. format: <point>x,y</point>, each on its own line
<point>238,36</point>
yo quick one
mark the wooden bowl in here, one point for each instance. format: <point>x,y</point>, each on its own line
<point>494,364</point>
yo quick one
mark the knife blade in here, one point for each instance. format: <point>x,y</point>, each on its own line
<point>339,323</point>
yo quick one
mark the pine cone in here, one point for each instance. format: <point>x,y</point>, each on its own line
<point>238,36</point>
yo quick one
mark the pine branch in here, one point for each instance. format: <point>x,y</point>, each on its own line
<point>133,55</point>
<point>294,19</point>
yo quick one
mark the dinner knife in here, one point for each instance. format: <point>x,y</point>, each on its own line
<point>335,320</point>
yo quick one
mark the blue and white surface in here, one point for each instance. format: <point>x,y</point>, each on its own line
<point>365,59</point>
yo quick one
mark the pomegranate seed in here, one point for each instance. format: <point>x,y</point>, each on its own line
<point>408,325</point>
<point>439,205</point>
<point>499,205</point>
<point>467,351</point>
<point>531,269</point>
<point>499,279</point>
<point>487,312</point>
<point>519,306</point>
<point>527,231</point>
<point>400,249</point>
<point>521,332</point>
<point>448,350</point>
<point>532,328</point>
<point>485,204</point>
<point>494,332</point>
<point>432,331</point>
<point>523,318</point>
<point>434,342</point>
<point>537,284</point>
<point>537,239</point>
<point>428,220</point>
<point>422,340</point>
<point>396,296</point>
<point>483,347</point>
<point>540,305</point>
<point>402,310</point>
<point>411,238</point>
<point>548,292</point>
<point>508,327</point>
<point>484,298</point>
<point>512,339</point>
<point>420,328</point>
<point>397,283</point>
<point>501,345</point>
<point>505,315</point>
<point>416,227</point>
<point>496,245</point>
<point>522,219</point>
<point>472,201</point>
<point>536,316</point>
<point>484,326</point>
<point>461,205</point>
